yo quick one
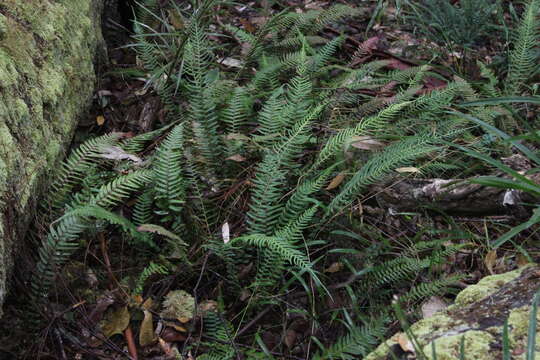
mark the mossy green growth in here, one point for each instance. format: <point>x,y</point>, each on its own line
<point>477,316</point>
<point>485,287</point>
<point>47,75</point>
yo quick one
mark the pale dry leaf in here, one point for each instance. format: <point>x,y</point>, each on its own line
<point>335,267</point>
<point>336,181</point>
<point>231,62</point>
<point>408,169</point>
<point>146,332</point>
<point>366,143</point>
<point>237,158</point>
<point>405,344</point>
<point>115,321</point>
<point>432,305</point>
<point>225,233</point>
<point>117,153</point>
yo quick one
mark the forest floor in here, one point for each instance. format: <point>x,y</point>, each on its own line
<point>124,103</point>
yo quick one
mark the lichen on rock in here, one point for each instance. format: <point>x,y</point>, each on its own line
<point>477,316</point>
<point>47,75</point>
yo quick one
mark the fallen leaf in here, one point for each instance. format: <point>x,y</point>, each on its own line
<point>522,260</point>
<point>408,169</point>
<point>225,233</point>
<point>171,335</point>
<point>156,229</point>
<point>175,326</point>
<point>248,26</point>
<point>100,120</point>
<point>236,136</point>
<point>366,143</point>
<point>290,338</point>
<point>335,267</point>
<point>115,321</point>
<point>405,343</point>
<point>207,306</point>
<point>176,19</point>
<point>490,259</point>
<point>117,153</point>
<point>432,305</point>
<point>237,158</point>
<point>336,181</point>
<point>146,333</point>
<point>231,62</point>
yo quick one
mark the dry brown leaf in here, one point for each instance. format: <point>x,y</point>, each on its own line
<point>490,259</point>
<point>100,120</point>
<point>207,306</point>
<point>176,19</point>
<point>236,136</point>
<point>366,143</point>
<point>432,305</point>
<point>146,333</point>
<point>405,343</point>
<point>335,267</point>
<point>115,321</point>
<point>290,338</point>
<point>237,158</point>
<point>336,181</point>
<point>175,326</point>
<point>170,335</point>
<point>522,260</point>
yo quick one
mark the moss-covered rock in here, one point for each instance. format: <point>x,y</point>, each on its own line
<point>477,318</point>
<point>47,75</point>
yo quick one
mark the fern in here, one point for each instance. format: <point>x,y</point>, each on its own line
<point>428,289</point>
<point>77,166</point>
<point>219,330</point>
<point>62,242</point>
<point>279,246</point>
<point>523,60</point>
<point>356,344</point>
<point>150,270</point>
<point>168,179</point>
<point>392,157</point>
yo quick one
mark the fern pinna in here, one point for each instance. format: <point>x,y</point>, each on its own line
<point>257,152</point>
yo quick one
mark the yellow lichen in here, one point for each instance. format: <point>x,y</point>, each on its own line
<point>485,287</point>
<point>476,345</point>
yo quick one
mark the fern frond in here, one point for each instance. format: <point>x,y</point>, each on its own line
<point>138,143</point>
<point>151,269</point>
<point>167,166</point>
<point>393,156</point>
<point>265,206</point>
<point>237,111</point>
<point>428,289</point>
<point>356,344</point>
<point>77,166</point>
<point>279,246</point>
<point>523,60</point>
<point>301,198</point>
<point>221,331</point>
<point>336,143</point>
